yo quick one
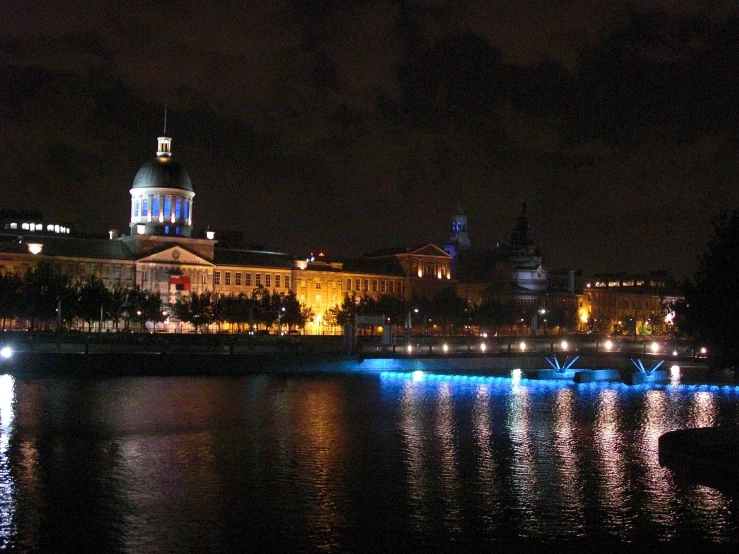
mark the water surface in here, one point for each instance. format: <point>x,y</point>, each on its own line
<point>351,462</point>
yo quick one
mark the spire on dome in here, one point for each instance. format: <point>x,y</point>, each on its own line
<point>164,143</point>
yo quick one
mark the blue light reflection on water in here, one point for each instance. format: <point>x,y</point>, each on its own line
<point>346,462</point>
<point>579,455</point>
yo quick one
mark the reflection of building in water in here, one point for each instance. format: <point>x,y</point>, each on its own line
<point>612,477</point>
<point>523,467</point>
<point>416,444</point>
<point>486,466</point>
<point>450,484</point>
<point>657,484</point>
<point>567,450</point>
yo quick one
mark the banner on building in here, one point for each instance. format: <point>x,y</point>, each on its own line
<point>179,283</point>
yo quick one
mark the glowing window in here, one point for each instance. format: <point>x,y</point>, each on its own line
<point>166,229</point>
<point>144,207</point>
<point>155,206</point>
<point>177,207</point>
<point>167,206</point>
<point>187,210</point>
<point>136,209</point>
<point>176,230</point>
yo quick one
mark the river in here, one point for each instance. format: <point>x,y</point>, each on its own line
<point>350,462</point>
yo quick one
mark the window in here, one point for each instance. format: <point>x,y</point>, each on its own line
<point>144,208</point>
<point>374,285</point>
<point>277,281</point>
<point>383,286</point>
<point>318,284</point>
<point>390,285</point>
<point>178,208</point>
<point>166,229</point>
<point>228,277</point>
<point>348,284</point>
<point>204,279</point>
<point>155,206</point>
<point>248,279</point>
<point>167,206</point>
<point>268,280</point>
<point>187,210</point>
<point>216,277</point>
<point>357,284</point>
<point>258,280</point>
<point>366,285</point>
<point>135,209</point>
<point>238,279</point>
<point>176,230</point>
<point>287,281</point>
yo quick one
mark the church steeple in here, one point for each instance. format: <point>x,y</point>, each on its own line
<point>459,239</point>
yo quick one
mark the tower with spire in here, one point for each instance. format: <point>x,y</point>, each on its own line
<point>527,272</point>
<point>459,239</point>
<point>162,195</point>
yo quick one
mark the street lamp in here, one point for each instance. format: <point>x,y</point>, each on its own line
<point>280,313</point>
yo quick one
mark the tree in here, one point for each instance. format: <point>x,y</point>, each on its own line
<point>40,293</point>
<point>10,293</point>
<point>710,309</point>
<point>91,299</point>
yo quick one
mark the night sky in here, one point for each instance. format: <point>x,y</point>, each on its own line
<point>357,125</point>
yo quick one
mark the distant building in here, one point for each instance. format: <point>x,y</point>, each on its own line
<point>625,303</point>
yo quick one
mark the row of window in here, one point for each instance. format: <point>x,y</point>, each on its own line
<point>179,207</point>
<point>224,278</point>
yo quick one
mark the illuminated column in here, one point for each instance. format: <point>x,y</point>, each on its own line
<point>190,220</point>
<point>148,208</point>
<point>161,208</point>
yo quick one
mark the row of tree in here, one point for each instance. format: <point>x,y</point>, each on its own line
<point>446,313</point>
<point>242,311</point>
<point>47,299</point>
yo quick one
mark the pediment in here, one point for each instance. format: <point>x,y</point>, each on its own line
<point>175,255</point>
<point>430,250</point>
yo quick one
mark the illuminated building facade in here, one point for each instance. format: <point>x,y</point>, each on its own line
<point>623,303</point>
<point>161,255</point>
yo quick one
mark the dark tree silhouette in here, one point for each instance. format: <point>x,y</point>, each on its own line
<point>710,309</point>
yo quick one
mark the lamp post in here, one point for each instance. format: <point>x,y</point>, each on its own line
<point>280,313</point>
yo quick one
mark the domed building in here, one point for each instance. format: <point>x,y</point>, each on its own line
<point>162,196</point>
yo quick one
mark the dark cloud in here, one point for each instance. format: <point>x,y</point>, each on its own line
<point>349,126</point>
